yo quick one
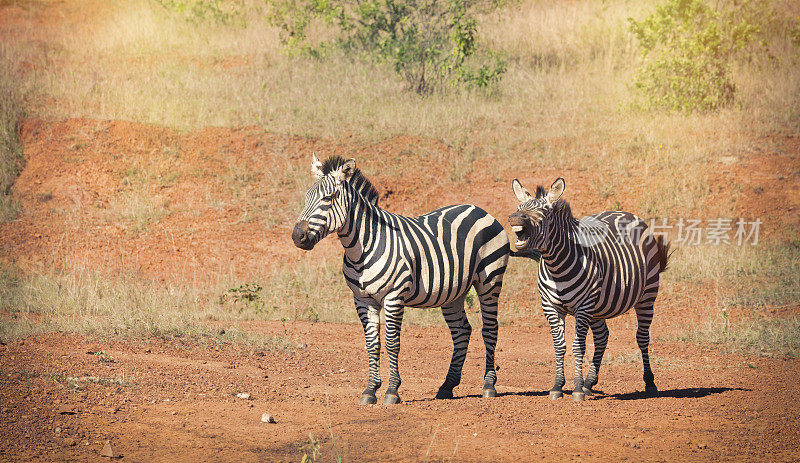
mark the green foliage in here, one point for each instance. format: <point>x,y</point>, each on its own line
<point>470,299</point>
<point>246,296</point>
<point>217,11</point>
<point>430,43</point>
<point>310,450</point>
<point>688,48</point>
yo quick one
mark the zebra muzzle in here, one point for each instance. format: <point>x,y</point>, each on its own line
<point>521,227</point>
<point>301,236</point>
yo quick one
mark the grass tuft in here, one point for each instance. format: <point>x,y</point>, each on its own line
<point>11,113</point>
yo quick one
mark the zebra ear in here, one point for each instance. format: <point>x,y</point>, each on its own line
<point>520,192</point>
<point>346,171</point>
<point>556,190</point>
<point>348,168</point>
<point>316,166</point>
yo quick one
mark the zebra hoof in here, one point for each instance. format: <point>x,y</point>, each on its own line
<point>588,391</point>
<point>578,396</point>
<point>489,392</point>
<point>444,394</point>
<point>555,395</point>
<point>391,399</point>
<point>368,399</point>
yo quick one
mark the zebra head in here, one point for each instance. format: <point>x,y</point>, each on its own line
<point>325,209</point>
<point>533,218</point>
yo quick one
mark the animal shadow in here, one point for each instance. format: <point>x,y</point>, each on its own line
<point>474,396</point>
<point>520,394</point>
<point>684,393</point>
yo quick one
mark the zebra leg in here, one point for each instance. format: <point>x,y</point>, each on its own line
<point>369,314</point>
<point>460,330</point>
<point>578,350</point>
<point>600,334</point>
<point>556,321</point>
<point>488,298</point>
<point>394,318</point>
<point>644,316</point>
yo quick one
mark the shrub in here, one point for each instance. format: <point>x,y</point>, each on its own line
<point>688,48</point>
<point>430,43</point>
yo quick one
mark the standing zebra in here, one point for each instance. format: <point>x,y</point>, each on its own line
<point>391,262</point>
<point>594,268</point>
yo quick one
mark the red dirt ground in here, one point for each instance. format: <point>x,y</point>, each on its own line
<point>176,401</point>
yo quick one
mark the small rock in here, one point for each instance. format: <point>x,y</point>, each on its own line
<point>243,395</point>
<point>108,451</point>
<point>70,442</point>
<point>58,430</point>
<point>702,445</point>
<point>267,418</point>
<point>173,412</point>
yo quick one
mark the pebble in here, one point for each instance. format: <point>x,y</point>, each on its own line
<point>267,418</point>
<point>243,395</point>
<point>68,441</point>
<point>108,451</point>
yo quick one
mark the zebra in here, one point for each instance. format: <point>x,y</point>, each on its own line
<point>594,268</point>
<point>392,262</point>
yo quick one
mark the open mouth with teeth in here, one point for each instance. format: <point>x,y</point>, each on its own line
<point>524,233</point>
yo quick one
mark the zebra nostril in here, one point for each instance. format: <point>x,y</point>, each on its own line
<point>300,233</point>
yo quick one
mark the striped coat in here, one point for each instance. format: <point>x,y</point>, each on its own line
<point>392,262</point>
<point>595,268</point>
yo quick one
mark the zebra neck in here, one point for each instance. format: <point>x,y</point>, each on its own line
<point>562,248</point>
<point>359,233</point>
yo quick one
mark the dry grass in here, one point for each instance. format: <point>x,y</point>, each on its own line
<point>96,305</point>
<point>760,336</point>
<point>570,68</point>
<point>11,113</point>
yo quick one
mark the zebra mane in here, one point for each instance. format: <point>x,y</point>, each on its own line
<point>358,181</point>
<point>560,207</point>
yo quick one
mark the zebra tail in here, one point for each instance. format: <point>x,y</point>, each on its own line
<point>528,254</point>
<point>663,253</point>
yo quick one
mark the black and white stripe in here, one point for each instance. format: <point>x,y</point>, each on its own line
<point>594,268</point>
<point>392,262</point>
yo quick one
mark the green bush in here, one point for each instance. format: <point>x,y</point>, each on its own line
<point>688,48</point>
<point>430,43</point>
